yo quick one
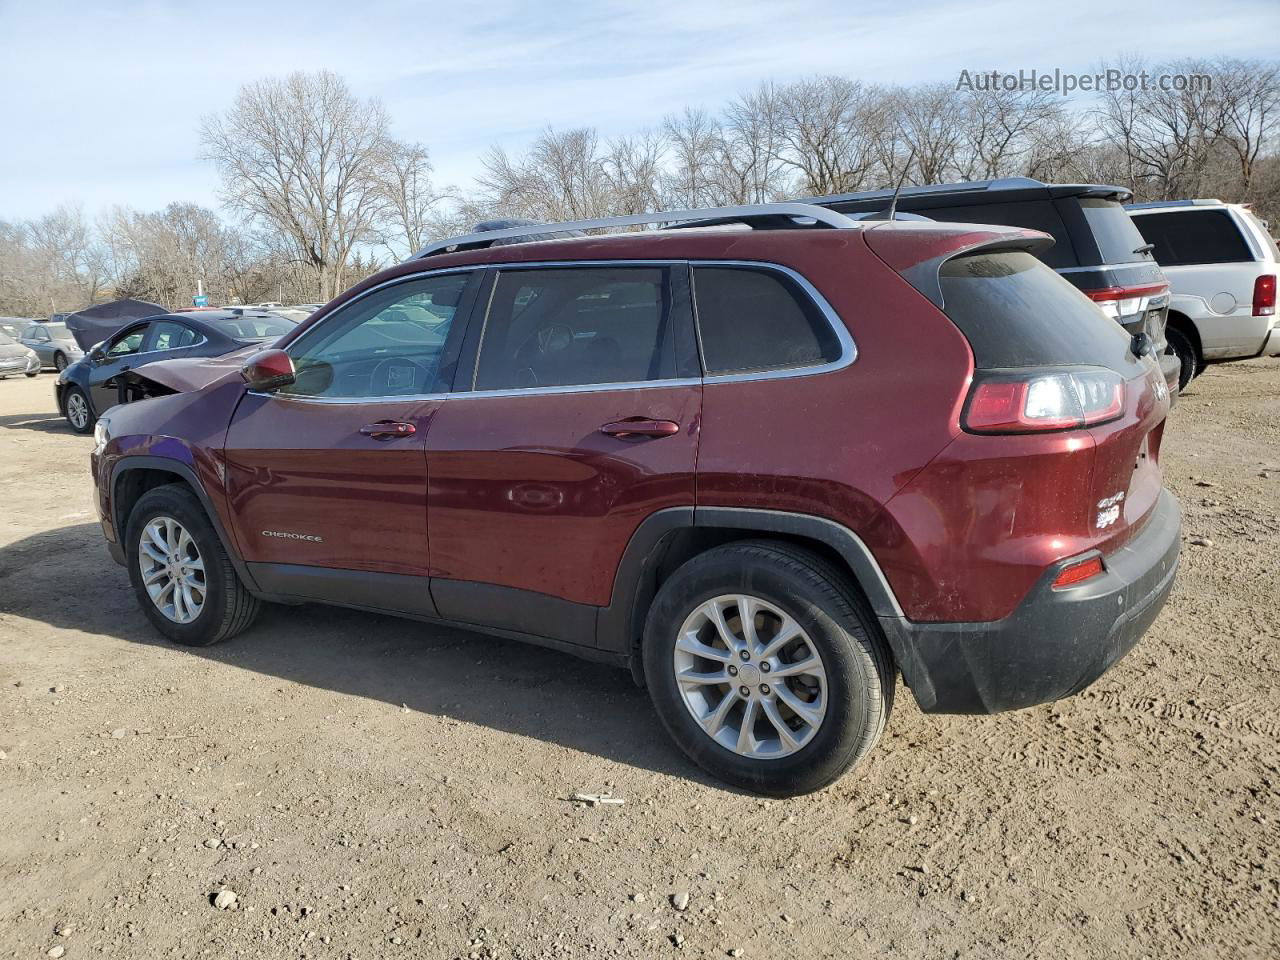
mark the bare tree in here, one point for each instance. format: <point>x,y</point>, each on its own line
<point>1248,92</point>
<point>411,200</point>
<point>307,158</point>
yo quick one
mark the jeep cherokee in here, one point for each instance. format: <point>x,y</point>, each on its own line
<point>768,466</point>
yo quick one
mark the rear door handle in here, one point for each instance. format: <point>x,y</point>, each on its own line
<point>388,429</point>
<point>640,427</point>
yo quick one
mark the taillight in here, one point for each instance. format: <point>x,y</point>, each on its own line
<point>1117,302</point>
<point>1038,400</point>
<point>1264,295</point>
<point>1078,572</point>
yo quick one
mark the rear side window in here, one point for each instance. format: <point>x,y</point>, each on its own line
<point>1016,312</point>
<point>752,320</point>
<point>1030,215</point>
<point>577,326</point>
<point>1193,236</point>
<point>1118,239</point>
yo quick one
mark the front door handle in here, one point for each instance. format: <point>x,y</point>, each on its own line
<point>640,427</point>
<point>388,429</point>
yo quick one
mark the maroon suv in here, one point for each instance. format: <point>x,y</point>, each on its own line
<point>766,465</point>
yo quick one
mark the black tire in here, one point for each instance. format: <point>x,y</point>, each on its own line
<point>859,669</point>
<point>228,607</point>
<point>59,362</point>
<point>90,417</point>
<point>1185,351</point>
<point>36,374</point>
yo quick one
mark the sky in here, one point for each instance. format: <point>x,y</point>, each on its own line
<point>100,102</point>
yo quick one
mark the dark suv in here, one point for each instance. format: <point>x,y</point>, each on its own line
<point>1096,245</point>
<point>767,469</point>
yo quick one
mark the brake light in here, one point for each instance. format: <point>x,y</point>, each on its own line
<point>1040,401</point>
<point>1117,302</point>
<point>1264,295</point>
<point>1078,572</point>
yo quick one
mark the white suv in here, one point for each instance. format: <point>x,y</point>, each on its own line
<point>1222,265</point>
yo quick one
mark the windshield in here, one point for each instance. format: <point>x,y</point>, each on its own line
<point>58,331</point>
<point>253,327</point>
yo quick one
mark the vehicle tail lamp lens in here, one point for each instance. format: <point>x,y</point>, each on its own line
<point>1078,572</point>
<point>1044,401</point>
<point>1264,295</point>
<point>1117,302</point>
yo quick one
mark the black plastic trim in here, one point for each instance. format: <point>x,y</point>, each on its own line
<point>184,471</point>
<point>366,589</point>
<point>525,612</point>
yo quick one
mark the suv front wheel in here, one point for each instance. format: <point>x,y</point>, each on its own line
<point>181,574</point>
<point>766,668</point>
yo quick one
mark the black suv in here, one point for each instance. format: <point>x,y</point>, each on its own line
<point>1097,247</point>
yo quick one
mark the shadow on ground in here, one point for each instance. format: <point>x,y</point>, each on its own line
<point>65,578</point>
<point>40,422</point>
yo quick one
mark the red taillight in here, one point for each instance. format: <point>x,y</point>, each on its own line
<point>1264,295</point>
<point>1119,302</point>
<point>1042,401</point>
<point>1078,572</point>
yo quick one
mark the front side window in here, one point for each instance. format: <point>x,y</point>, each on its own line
<point>752,320</point>
<point>131,342</point>
<point>577,326</point>
<point>389,343</point>
<point>37,333</point>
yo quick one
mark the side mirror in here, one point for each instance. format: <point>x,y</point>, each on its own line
<point>268,370</point>
<point>97,354</point>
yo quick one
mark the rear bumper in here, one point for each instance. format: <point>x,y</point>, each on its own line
<point>1171,367</point>
<point>1271,348</point>
<point>1056,643</point>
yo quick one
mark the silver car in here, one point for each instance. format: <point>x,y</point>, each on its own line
<point>15,358</point>
<point>53,344</point>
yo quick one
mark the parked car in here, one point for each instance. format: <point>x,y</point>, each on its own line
<point>1222,264</point>
<point>1097,247</point>
<point>107,376</point>
<point>53,343</point>
<point>14,326</point>
<point>15,358</point>
<point>766,469</point>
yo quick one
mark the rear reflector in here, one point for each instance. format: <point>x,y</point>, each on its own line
<point>1078,572</point>
<point>1038,401</point>
<point>1264,295</point>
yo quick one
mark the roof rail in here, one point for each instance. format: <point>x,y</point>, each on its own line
<point>759,215</point>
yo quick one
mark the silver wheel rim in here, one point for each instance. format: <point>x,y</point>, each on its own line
<point>750,676</point>
<point>77,411</point>
<point>172,569</point>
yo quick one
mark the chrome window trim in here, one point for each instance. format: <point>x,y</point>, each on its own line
<point>848,348</point>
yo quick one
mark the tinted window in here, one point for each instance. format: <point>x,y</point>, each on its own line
<point>1193,236</point>
<point>1117,237</point>
<point>577,326</point>
<point>1031,215</point>
<point>58,331</point>
<point>1016,312</point>
<point>252,327</point>
<point>36,333</point>
<point>750,320</point>
<point>168,335</point>
<point>387,344</point>
<point>1262,228</point>
<point>131,342</point>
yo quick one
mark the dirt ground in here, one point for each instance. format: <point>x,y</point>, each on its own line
<point>371,787</point>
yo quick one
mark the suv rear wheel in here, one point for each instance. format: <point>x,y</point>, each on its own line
<point>766,668</point>
<point>181,574</point>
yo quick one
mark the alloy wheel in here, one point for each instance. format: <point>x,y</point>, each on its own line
<point>59,363</point>
<point>750,676</point>
<point>78,411</point>
<point>172,569</point>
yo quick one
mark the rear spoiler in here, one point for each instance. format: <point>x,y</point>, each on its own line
<point>919,263</point>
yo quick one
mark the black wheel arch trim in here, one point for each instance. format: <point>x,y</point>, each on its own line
<point>184,471</point>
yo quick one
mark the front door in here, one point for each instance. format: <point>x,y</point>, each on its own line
<point>580,420</point>
<point>121,355</point>
<point>327,476</point>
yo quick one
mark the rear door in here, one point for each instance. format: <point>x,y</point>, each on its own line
<point>328,475</point>
<point>576,418</point>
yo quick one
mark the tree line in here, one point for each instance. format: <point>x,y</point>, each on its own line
<point>323,194</point>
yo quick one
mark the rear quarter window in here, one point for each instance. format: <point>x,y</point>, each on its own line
<point>752,320</point>
<point>1186,237</point>
<point>1016,312</point>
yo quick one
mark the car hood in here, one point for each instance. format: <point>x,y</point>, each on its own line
<point>185,374</point>
<point>10,350</point>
